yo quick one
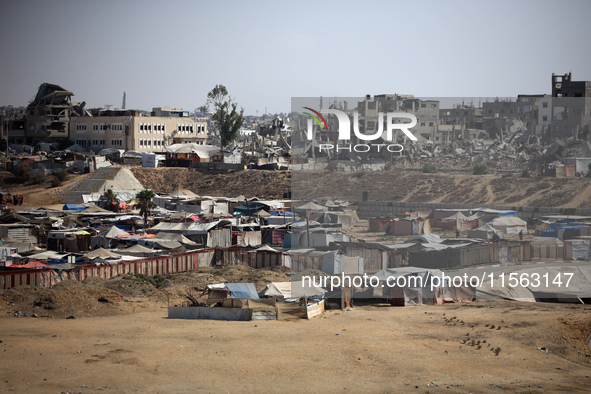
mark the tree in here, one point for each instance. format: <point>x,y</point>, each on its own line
<point>227,119</point>
<point>111,197</point>
<point>145,203</point>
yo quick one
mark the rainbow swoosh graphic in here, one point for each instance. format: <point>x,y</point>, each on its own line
<point>316,118</point>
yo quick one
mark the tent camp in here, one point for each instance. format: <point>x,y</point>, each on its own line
<point>509,224</point>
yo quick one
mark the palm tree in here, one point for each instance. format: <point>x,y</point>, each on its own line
<point>145,203</point>
<point>111,197</point>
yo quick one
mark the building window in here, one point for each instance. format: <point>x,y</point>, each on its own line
<point>545,105</point>
<point>430,124</point>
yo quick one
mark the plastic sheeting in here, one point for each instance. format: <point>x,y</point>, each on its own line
<point>243,290</point>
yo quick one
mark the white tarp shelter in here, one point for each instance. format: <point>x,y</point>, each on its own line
<point>509,224</point>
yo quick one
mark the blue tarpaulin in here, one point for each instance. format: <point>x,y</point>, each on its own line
<point>281,213</point>
<point>508,213</point>
<point>243,290</point>
<point>74,207</point>
<point>551,231</point>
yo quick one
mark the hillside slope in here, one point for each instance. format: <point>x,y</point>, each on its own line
<point>395,185</point>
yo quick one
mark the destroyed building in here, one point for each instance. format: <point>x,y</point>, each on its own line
<point>48,114</point>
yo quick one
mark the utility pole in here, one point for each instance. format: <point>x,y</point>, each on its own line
<point>308,227</point>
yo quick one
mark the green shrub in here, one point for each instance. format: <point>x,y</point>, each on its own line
<point>481,169</point>
<point>38,178</point>
<point>430,169</point>
<point>56,182</point>
<point>23,173</point>
<point>61,175</point>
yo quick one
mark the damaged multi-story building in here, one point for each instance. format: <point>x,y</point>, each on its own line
<point>569,110</point>
<point>48,115</point>
<point>426,111</point>
<point>52,115</point>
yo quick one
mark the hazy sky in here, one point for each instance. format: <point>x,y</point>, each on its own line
<point>171,53</point>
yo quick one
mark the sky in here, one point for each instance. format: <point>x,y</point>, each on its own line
<point>172,53</point>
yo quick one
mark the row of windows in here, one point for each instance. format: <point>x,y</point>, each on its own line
<point>97,127</point>
<point>98,142</point>
<point>100,127</point>
<point>184,128</point>
<point>151,142</point>
<point>159,128</point>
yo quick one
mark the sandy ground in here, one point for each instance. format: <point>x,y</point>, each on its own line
<point>249,183</point>
<point>446,348</point>
<point>393,185</point>
<point>447,188</point>
<point>42,195</point>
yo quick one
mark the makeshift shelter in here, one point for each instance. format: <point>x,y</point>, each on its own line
<point>427,238</point>
<point>329,262</point>
<point>220,291</point>
<point>408,226</point>
<point>509,224</point>
<point>405,286</point>
<point>74,207</point>
<point>114,232</point>
<point>486,231</point>
<point>342,218</point>
<point>108,238</point>
<point>32,264</point>
<point>179,238</point>
<point>546,248</point>
<point>319,237</point>
<point>310,206</point>
<point>581,249</point>
<point>101,253</point>
<point>294,289</point>
<point>139,251</point>
<point>73,240</point>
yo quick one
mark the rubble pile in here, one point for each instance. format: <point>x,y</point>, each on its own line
<point>502,156</point>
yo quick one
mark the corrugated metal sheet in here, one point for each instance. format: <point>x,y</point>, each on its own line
<point>19,233</point>
<point>150,266</point>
